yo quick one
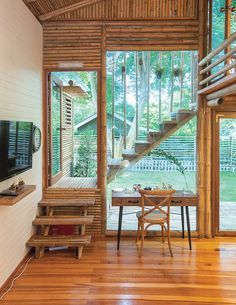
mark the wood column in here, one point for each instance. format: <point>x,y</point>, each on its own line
<point>103,129</point>
<point>201,178</point>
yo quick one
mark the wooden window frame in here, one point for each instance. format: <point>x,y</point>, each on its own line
<point>217,114</point>
<point>46,127</point>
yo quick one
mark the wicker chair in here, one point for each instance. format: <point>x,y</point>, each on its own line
<point>156,215</point>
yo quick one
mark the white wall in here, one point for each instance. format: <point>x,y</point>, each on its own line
<point>20,99</point>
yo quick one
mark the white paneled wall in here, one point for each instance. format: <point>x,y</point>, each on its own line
<point>20,99</point>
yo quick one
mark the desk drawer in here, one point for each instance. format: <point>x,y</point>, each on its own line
<point>117,201</point>
<point>132,201</point>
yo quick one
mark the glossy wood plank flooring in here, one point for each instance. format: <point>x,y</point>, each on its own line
<point>103,276</point>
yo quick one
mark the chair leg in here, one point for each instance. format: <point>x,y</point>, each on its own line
<point>142,240</point>
<point>162,233</point>
<point>138,233</point>
<point>168,237</point>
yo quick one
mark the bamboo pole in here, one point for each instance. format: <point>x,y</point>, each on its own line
<point>148,93</point>
<point>160,83</point>
<point>103,128</point>
<point>113,105</point>
<point>221,71</point>
<point>201,174</point>
<point>217,62</point>
<point>192,78</point>
<point>208,210</point>
<point>172,82</point>
<point>215,102</point>
<point>136,85</point>
<point>125,121</point>
<point>222,92</point>
<point>181,79</point>
<point>223,46</point>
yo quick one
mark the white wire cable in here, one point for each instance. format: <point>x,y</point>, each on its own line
<point>18,276</point>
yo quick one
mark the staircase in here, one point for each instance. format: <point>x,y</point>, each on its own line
<point>155,138</point>
<point>44,240</point>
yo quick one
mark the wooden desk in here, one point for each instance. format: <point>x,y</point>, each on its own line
<point>180,199</point>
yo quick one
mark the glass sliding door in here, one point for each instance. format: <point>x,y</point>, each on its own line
<point>227,172</point>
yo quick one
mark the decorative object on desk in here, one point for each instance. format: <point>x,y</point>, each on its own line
<point>164,187</point>
<point>147,188</point>
<point>123,164</point>
<point>136,187</point>
<point>36,139</point>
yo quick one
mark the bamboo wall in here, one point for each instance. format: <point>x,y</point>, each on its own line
<point>122,25</point>
<point>95,228</point>
<point>136,9</point>
<point>73,41</point>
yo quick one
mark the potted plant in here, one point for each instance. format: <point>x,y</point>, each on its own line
<point>158,71</point>
<point>178,72</point>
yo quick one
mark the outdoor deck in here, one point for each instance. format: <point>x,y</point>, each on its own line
<point>75,182</point>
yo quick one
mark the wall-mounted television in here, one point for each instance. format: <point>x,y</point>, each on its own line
<point>15,148</point>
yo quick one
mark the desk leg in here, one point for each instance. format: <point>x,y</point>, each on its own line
<point>119,226</point>
<point>188,226</point>
<point>182,220</point>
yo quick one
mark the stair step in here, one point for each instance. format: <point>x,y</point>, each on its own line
<point>129,154</point>
<point>170,122</point>
<point>114,163</point>
<point>183,114</point>
<point>62,220</point>
<point>153,135</point>
<point>140,146</point>
<point>58,240</point>
<point>166,126</point>
<point>67,202</point>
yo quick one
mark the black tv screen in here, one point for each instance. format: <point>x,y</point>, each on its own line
<point>15,148</point>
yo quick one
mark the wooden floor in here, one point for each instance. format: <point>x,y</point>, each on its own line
<point>103,276</point>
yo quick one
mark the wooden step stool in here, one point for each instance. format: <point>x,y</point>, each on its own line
<point>43,239</point>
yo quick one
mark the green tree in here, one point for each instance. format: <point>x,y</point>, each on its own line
<point>85,165</point>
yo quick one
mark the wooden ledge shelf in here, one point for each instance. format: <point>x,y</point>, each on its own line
<point>12,200</point>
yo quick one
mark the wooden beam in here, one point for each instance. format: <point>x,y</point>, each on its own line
<point>67,9</point>
<point>230,90</point>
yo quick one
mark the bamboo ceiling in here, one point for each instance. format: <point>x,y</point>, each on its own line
<point>113,9</point>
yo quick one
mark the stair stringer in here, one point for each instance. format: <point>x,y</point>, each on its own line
<point>151,146</point>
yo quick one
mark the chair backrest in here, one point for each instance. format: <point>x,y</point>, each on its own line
<point>149,198</point>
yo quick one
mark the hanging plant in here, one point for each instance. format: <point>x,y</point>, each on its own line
<point>123,69</point>
<point>178,72</point>
<point>158,71</point>
<point>140,61</point>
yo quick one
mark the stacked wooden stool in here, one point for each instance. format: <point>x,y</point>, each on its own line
<point>44,239</point>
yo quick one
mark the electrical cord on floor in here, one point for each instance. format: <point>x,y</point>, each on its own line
<point>15,278</point>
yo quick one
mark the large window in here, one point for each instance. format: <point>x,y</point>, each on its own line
<point>144,91</point>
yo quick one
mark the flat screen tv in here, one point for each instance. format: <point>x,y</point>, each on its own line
<point>15,148</point>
